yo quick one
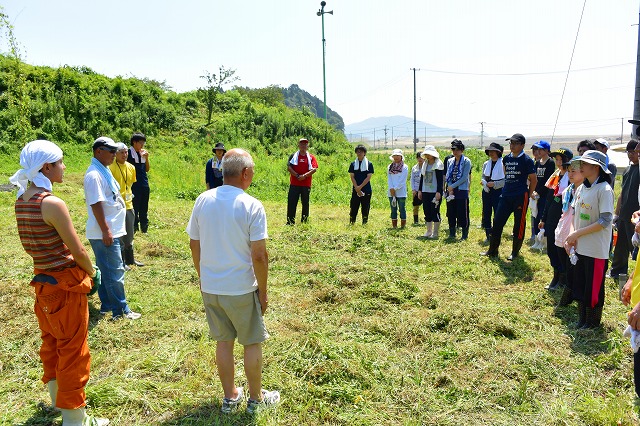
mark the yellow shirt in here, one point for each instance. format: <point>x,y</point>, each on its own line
<point>125,175</point>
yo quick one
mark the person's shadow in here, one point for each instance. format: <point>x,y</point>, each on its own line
<point>208,414</point>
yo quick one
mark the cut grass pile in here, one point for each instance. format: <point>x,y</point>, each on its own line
<point>368,326</point>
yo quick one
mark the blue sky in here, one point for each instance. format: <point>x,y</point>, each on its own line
<point>371,46</point>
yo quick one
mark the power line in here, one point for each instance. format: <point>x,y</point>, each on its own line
<point>526,73</point>
<point>568,70</point>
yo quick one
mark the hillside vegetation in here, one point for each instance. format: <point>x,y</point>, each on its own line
<point>76,104</point>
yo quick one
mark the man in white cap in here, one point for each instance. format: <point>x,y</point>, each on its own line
<point>301,166</point>
<point>105,225</point>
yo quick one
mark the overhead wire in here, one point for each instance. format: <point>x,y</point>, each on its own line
<point>575,42</point>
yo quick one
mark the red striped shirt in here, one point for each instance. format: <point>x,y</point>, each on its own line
<point>40,240</point>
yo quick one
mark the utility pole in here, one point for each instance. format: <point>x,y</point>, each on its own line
<point>374,138</point>
<point>391,135</point>
<point>482,134</point>
<point>415,140</point>
<point>636,102</point>
<point>321,13</point>
<point>385,136</point>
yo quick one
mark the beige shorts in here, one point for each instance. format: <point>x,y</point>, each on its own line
<point>232,317</point>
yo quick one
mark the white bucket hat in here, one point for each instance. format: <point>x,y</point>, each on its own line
<point>396,151</point>
<point>430,150</point>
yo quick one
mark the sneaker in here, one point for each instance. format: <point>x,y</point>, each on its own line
<point>132,315</point>
<point>103,313</point>
<point>268,398</point>
<point>94,421</point>
<point>230,404</point>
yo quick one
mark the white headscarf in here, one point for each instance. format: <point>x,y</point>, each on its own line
<point>33,157</point>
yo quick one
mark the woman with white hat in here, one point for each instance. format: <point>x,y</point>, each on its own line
<point>63,276</point>
<point>430,190</point>
<point>397,173</point>
<point>590,237</point>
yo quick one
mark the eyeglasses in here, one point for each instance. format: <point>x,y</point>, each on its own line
<point>111,150</point>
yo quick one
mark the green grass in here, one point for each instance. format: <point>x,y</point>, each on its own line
<point>368,325</point>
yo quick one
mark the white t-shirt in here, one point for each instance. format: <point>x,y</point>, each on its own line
<point>97,190</point>
<point>589,203</point>
<point>225,220</point>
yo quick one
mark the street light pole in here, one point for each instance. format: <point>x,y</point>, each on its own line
<point>321,13</point>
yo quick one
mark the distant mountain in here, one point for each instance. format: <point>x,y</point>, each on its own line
<point>402,127</point>
<point>295,97</point>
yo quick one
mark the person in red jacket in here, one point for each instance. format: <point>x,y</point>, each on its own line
<point>302,165</point>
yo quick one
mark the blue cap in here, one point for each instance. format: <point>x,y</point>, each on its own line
<point>542,145</point>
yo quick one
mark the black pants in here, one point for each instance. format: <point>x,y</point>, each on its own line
<point>458,212</point>
<point>490,202</point>
<point>517,205</point>
<point>431,211</point>
<point>296,193</point>
<point>356,202</point>
<point>620,262</point>
<point>141,207</point>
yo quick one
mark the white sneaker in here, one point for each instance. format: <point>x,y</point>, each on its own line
<point>132,315</point>
<point>95,421</point>
<point>268,398</point>
<point>230,404</point>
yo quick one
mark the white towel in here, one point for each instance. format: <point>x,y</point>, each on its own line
<point>136,157</point>
<point>634,338</point>
<point>362,165</point>
<point>33,157</point>
<point>294,159</point>
<point>533,206</point>
<point>498,170</point>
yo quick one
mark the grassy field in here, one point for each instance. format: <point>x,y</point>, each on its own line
<point>369,325</point>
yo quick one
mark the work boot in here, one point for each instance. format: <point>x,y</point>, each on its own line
<point>494,243</point>
<point>487,233</point>
<point>465,233</point>
<point>593,317</point>
<point>394,223</point>
<point>52,387</point>
<point>78,417</point>
<point>553,285</point>
<point>403,223</point>
<point>429,231</point>
<point>566,298</point>
<point>129,258</point>
<point>582,314</point>
<point>515,250</point>
<point>562,279</point>
<point>436,231</point>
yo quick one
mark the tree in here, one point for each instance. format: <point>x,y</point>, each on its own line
<point>215,83</point>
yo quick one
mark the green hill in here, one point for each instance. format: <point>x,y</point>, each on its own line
<point>76,104</point>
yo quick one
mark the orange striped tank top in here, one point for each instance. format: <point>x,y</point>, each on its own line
<point>40,240</point>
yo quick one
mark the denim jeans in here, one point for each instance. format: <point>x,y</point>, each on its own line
<point>111,290</point>
<point>400,205</point>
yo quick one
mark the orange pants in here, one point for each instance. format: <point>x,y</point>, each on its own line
<point>63,316</point>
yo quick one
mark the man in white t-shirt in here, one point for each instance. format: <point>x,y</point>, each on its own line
<point>228,231</point>
<point>105,224</point>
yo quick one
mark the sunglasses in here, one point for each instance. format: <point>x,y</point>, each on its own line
<point>111,150</point>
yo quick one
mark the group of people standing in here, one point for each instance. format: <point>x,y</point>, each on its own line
<point>116,196</point>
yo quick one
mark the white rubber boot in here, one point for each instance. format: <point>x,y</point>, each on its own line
<point>73,417</point>
<point>436,231</point>
<point>429,232</point>
<point>78,417</point>
<point>52,386</point>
